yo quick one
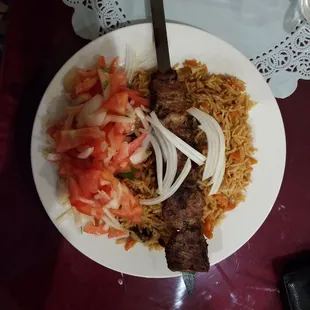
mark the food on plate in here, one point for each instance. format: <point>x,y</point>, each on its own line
<point>162,174</point>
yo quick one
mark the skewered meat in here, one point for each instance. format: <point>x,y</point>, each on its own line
<point>187,248</point>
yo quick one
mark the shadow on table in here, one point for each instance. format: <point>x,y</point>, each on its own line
<point>288,265</point>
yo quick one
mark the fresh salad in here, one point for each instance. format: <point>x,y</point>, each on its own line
<point>100,138</point>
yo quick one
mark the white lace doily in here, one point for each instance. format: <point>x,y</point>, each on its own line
<point>282,64</point>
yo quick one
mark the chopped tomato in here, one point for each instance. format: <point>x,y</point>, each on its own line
<point>101,62</point>
<point>222,200</point>
<point>86,85</point>
<point>136,143</point>
<point>130,243</point>
<point>136,97</point>
<point>253,161</point>
<point>114,233</point>
<point>107,128</point>
<point>96,89</point>
<point>130,207</point>
<point>89,182</point>
<point>117,103</point>
<point>52,130</point>
<point>70,139</point>
<point>87,73</point>
<point>236,156</point>
<point>74,192</point>
<point>230,206</point>
<point>234,114</point>
<point>114,65</point>
<point>118,80</point>
<point>92,229</point>
<point>190,63</point>
<point>122,154</point>
<point>208,227</point>
<point>116,137</point>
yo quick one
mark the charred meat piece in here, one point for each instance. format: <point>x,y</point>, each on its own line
<point>184,207</point>
<point>187,250</point>
<point>143,234</point>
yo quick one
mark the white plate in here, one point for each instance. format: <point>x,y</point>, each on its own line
<point>269,137</point>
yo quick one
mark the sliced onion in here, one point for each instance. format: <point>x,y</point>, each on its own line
<point>84,200</point>
<point>89,107</point>
<point>140,155</point>
<point>171,167</point>
<point>96,119</point>
<point>215,134</point>
<point>117,119</point>
<point>113,221</point>
<point>63,216</point>
<point>145,109</point>
<point>77,217</point>
<point>104,182</point>
<point>113,204</point>
<point>130,63</point>
<point>104,146</point>
<point>186,149</point>
<point>53,157</point>
<point>141,116</point>
<point>86,153</point>
<point>111,153</point>
<point>102,195</point>
<point>172,189</point>
<point>62,193</point>
<point>159,162</point>
<point>163,143</point>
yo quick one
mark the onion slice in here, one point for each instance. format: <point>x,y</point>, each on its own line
<point>86,153</point>
<point>141,116</point>
<point>159,162</point>
<point>140,155</point>
<point>172,189</point>
<point>186,149</point>
<point>216,140</point>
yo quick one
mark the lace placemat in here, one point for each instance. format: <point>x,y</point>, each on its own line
<point>282,62</point>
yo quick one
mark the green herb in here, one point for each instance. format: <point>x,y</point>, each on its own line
<point>106,84</point>
<point>81,228</point>
<point>107,70</point>
<point>130,174</point>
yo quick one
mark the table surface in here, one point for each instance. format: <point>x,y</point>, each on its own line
<point>39,269</point>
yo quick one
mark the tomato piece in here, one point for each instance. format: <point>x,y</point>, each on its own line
<point>89,182</point>
<point>136,97</point>
<point>136,143</point>
<point>52,130</point>
<point>86,85</point>
<point>74,191</point>
<point>117,103</point>
<point>87,73</point>
<point>208,227</point>
<point>101,62</point>
<point>130,243</point>
<point>130,207</point>
<point>114,65</point>
<point>114,233</point>
<point>92,229</point>
<point>70,139</point>
<point>118,80</point>
<point>116,137</point>
<point>122,154</point>
<point>96,89</point>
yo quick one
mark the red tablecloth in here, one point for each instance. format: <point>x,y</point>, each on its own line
<point>40,270</point>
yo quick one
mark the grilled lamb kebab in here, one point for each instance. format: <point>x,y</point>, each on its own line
<point>186,250</point>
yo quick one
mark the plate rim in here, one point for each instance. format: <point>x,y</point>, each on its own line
<point>94,42</point>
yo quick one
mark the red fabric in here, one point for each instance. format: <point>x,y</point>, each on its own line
<point>39,269</point>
